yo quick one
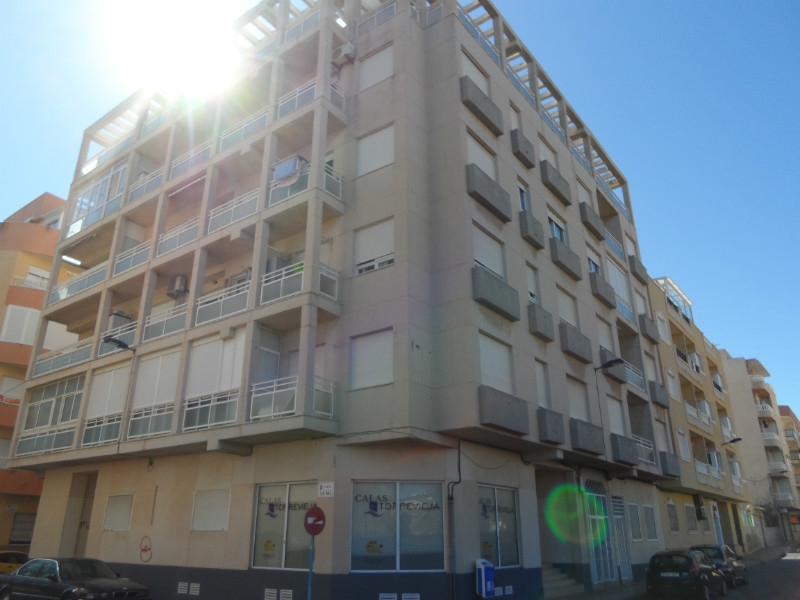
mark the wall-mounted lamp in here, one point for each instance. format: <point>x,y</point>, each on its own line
<point>118,343</point>
<point>733,441</point>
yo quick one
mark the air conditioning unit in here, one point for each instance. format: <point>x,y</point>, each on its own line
<point>117,318</point>
<point>343,54</point>
<point>178,287</point>
<point>702,513</point>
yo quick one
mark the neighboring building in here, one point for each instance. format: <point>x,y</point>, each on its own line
<point>791,435</point>
<point>390,273</point>
<point>28,241</point>
<point>703,505</point>
<point>765,452</point>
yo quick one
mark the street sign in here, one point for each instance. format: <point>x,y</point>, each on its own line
<point>314,521</point>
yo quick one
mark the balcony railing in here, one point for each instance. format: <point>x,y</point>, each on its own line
<point>634,376</point>
<point>770,435</point>
<point>33,283</point>
<point>280,189</point>
<point>784,497</point>
<point>211,410</point>
<point>615,246</point>
<point>151,420</point>
<point>244,129</point>
<point>554,126</point>
<point>237,209</point>
<point>164,323</point>
<point>102,430</point>
<point>776,466</point>
<point>276,398</point>
<point>57,438</point>
<point>176,237</point>
<point>64,357</point>
<point>222,303</point>
<point>305,25</point>
<point>297,98</point>
<point>77,284</point>
<point>380,16</point>
<point>196,156</point>
<point>281,283</point>
<point>765,410</point>
<point>95,215</point>
<point>146,185</point>
<point>581,158</point>
<point>520,85</point>
<point>737,484</point>
<point>613,197</point>
<point>791,434</point>
<point>124,333</point>
<point>625,309</point>
<point>478,35</point>
<point>132,258</point>
<point>646,450</point>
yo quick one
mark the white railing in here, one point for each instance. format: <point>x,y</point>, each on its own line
<point>176,237</point>
<point>770,435</point>
<point>273,399</point>
<point>151,420</point>
<point>280,190</point>
<point>281,283</point>
<point>306,24</point>
<point>324,392</point>
<point>211,410</point>
<point>102,430</point>
<point>614,244</point>
<point>77,284</point>
<point>333,182</point>
<point>146,185</point>
<point>64,357</point>
<point>701,467</point>
<point>164,323</point>
<point>33,283</point>
<point>784,497</point>
<point>646,449</point>
<point>297,98</point>
<point>776,466</point>
<point>713,471</point>
<point>380,16</point>
<point>222,303</point>
<point>57,438</point>
<point>196,156</point>
<point>337,96</point>
<point>765,410</point>
<point>487,44</point>
<point>634,376</point>
<point>328,282</point>
<point>99,212</point>
<point>625,309</point>
<point>124,333</point>
<point>235,210</point>
<point>244,129</point>
<point>132,258</point>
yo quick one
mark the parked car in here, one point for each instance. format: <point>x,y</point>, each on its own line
<point>68,579</point>
<point>674,573</point>
<point>10,560</point>
<point>727,561</point>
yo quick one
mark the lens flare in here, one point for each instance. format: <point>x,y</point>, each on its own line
<point>565,513</point>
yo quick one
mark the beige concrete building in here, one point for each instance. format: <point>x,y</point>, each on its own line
<point>704,504</point>
<point>791,435</point>
<point>390,273</point>
<point>764,450</point>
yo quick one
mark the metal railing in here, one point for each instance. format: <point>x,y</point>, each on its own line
<point>776,466</point>
<point>554,126</point>
<point>62,358</point>
<point>222,303</point>
<point>770,435</point>
<point>634,376</point>
<point>196,156</point>
<point>297,98</point>
<point>280,190</point>
<point>152,420</point>
<point>96,214</point>
<point>211,410</point>
<point>281,283</point>
<point>625,309</point>
<point>615,246</point>
<point>613,197</point>
<point>146,185</point>
<point>237,209</point>
<point>645,449</point>
<point>581,158</point>
<point>33,283</point>
<point>520,85</point>
<point>164,323</point>
<point>176,237</point>
<point>124,333</point>
<point>132,258</point>
<point>102,430</point>
<point>303,26</point>
<point>244,129</point>
<point>373,20</point>
<point>490,48</point>
<point>58,438</point>
<point>77,284</point>
<point>273,399</point>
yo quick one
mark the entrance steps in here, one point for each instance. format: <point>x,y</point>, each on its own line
<point>556,584</point>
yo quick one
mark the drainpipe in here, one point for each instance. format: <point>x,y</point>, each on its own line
<point>451,525</point>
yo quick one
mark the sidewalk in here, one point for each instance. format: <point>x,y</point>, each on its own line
<point>634,590</point>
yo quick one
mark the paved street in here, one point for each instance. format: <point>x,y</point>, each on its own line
<point>775,578</point>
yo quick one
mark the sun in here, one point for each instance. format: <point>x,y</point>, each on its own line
<point>183,47</point>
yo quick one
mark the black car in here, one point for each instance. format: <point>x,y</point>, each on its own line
<point>69,579</point>
<point>675,573</point>
<point>727,561</point>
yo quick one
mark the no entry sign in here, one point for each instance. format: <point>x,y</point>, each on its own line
<point>314,520</point>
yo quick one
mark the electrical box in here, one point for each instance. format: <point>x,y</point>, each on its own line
<point>484,578</point>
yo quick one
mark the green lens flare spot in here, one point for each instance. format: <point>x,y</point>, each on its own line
<point>566,510</point>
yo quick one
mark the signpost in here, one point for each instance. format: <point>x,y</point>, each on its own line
<point>314,522</point>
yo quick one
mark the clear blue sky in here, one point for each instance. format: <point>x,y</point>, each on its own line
<point>695,101</point>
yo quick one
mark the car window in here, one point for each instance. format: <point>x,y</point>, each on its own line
<point>49,569</point>
<point>34,568</point>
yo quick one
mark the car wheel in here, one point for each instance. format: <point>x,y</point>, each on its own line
<point>723,588</point>
<point>732,582</point>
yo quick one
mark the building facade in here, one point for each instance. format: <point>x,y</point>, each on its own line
<point>390,273</point>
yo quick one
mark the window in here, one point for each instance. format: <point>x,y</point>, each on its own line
<point>542,384</point>
<point>594,261</point>
<point>578,400</point>
<point>691,518</point>
<point>372,359</point>
<point>154,395</point>
<point>496,368</point>
<point>663,328</point>
<point>605,335</point>
<point>650,522</point>
<point>516,120</point>
<point>37,278</point>
<point>672,385</point>
<point>479,155</point>
<point>619,281</point>
<point>558,227</point>
<point>533,285</point>
<point>375,150</point>
<point>672,517</point>
<point>375,68</point>
<point>547,153</point>
<point>22,528</point>
<point>616,416</point>
<point>107,399</point>
<point>374,247</point>
<point>55,403</point>
<point>19,325</point>
<point>630,246</point>
<point>118,513</point>
<point>640,303</point>
<point>210,510</point>
<point>636,526</point>
<point>524,196</point>
<point>11,389</point>
<point>280,539</point>
<point>584,195</point>
<point>215,365</point>
<point>397,527</point>
<point>497,524</point>
<point>474,72</point>
<point>683,445</point>
<point>567,307</point>
<point>488,252</point>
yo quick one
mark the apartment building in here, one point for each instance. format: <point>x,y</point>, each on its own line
<point>390,273</point>
<point>705,503</point>
<point>28,241</point>
<point>765,451</point>
<point>791,435</point>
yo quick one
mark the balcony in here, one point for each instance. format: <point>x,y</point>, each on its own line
<point>522,148</point>
<point>738,486</point>
<point>790,435</point>
<point>194,157</point>
<point>132,258</point>
<point>97,214</point>
<point>614,245</point>
<point>145,185</point>
<point>31,283</point>
<point>211,410</point>
<point>288,281</point>
<point>64,357</point>
<point>574,343</point>
<point>502,411</point>
<point>222,303</point>
<point>164,323</point>
<point>490,48</point>
<point>602,290</point>
<point>771,438</point>
<point>237,209</point>
<point>592,221</point>
<point>707,474</point>
<point>244,129</point>
<point>555,182</point>
<point>494,293</point>
<point>150,421</point>
<point>634,376</point>
<point>488,193</point>
<point>531,230</point>
<point>102,430</point>
<point>698,418</point>
<point>49,440</point>
<point>304,26</point>
<point>777,467</point>
<point>625,309</point>
<point>480,105</point>
<point>624,449</point>
<point>176,237</point>
<point>765,410</point>
<point>124,333</point>
<point>564,258</point>
<point>784,499</point>
<point>276,398</point>
<point>286,187</point>
<point>78,284</point>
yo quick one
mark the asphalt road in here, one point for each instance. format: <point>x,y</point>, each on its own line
<point>773,579</point>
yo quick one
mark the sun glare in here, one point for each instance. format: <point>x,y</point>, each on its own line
<point>183,47</point>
